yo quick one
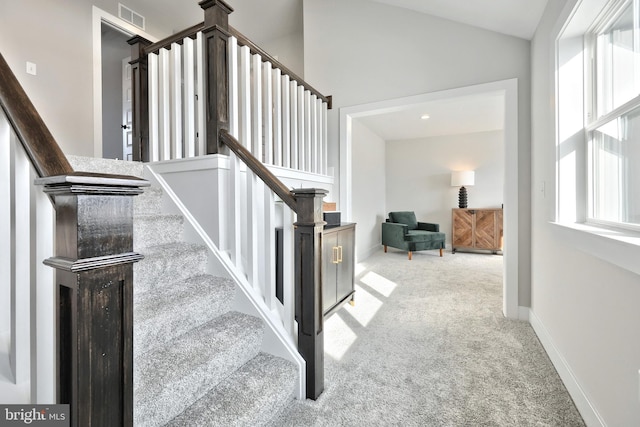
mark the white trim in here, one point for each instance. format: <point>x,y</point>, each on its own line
<point>511,212</point>
<point>618,247</point>
<point>588,412</point>
<point>98,17</point>
<point>211,161</point>
<point>282,172</point>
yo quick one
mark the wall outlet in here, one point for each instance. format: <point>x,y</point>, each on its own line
<point>31,68</point>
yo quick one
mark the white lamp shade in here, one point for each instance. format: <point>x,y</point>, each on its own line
<point>462,178</point>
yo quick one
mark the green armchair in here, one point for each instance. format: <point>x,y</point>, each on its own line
<point>403,231</point>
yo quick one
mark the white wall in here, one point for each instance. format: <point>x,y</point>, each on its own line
<point>361,51</point>
<point>369,182</point>
<point>419,174</point>
<point>288,51</point>
<point>586,307</point>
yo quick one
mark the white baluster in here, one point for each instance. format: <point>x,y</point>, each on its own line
<point>302,135</point>
<point>154,105</point>
<point>234,163</point>
<point>288,271</point>
<point>316,157</point>
<point>277,117</point>
<point>175,81</point>
<point>21,271</point>
<point>43,379</point>
<point>189,97</point>
<point>5,224</point>
<point>267,111</point>
<point>286,122</point>
<point>234,88</point>
<point>269,259</point>
<point>318,134</point>
<point>325,158</point>
<point>202,96</point>
<point>295,146</point>
<point>164,109</point>
<point>256,103</point>
<point>308,153</point>
<point>245,97</point>
<point>248,190</point>
<point>252,228</point>
<point>262,251</point>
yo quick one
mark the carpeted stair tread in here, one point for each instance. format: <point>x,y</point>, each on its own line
<point>154,229</point>
<point>173,377</point>
<point>248,397</point>
<point>166,264</point>
<point>190,352</point>
<point>149,202</point>
<point>165,313</point>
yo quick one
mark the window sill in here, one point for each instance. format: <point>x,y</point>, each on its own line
<point>618,247</point>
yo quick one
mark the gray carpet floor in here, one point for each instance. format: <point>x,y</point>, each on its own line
<point>426,344</point>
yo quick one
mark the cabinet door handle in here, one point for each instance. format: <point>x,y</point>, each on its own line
<point>339,253</point>
<point>335,255</point>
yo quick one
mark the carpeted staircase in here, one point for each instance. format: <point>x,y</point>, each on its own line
<point>196,362</point>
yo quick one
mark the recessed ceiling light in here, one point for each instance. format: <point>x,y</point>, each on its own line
<point>424,116</point>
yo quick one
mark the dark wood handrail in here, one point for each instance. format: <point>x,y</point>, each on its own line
<point>254,48</point>
<point>174,38</point>
<point>43,150</point>
<point>259,169</point>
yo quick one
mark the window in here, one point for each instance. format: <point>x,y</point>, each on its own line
<point>614,170</point>
<point>616,60</point>
<point>613,116</point>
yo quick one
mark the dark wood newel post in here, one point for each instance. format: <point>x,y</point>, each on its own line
<point>94,278</point>
<point>140,98</point>
<point>308,285</point>
<point>216,36</point>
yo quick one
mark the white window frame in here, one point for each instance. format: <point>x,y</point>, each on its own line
<point>612,242</point>
<point>593,119</point>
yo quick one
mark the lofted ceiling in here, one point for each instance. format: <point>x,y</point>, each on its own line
<point>479,113</point>
<point>517,18</point>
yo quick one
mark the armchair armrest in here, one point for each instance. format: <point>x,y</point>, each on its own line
<point>427,226</point>
<point>393,234</point>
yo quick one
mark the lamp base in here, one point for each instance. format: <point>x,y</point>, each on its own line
<point>462,198</point>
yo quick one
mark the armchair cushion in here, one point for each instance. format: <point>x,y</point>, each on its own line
<point>404,217</point>
<point>422,236</point>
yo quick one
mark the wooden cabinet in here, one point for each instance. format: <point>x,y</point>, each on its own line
<point>338,258</point>
<point>476,229</point>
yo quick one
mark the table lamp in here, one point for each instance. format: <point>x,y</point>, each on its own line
<point>460,179</point>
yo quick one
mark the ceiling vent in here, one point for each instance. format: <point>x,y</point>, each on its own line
<point>130,16</point>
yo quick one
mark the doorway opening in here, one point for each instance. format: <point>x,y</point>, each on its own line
<point>111,85</point>
<point>116,94</point>
<point>508,92</point>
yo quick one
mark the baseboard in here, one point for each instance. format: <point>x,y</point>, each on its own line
<point>587,411</point>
